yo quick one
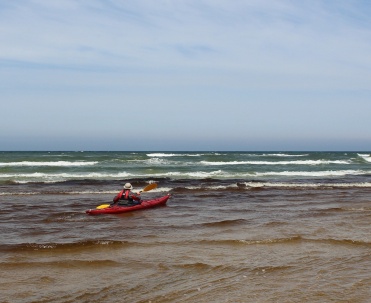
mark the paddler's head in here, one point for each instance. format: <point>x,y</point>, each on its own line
<point>128,186</point>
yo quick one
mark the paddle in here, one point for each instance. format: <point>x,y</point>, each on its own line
<point>147,188</point>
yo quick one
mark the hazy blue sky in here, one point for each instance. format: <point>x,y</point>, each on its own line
<point>185,75</point>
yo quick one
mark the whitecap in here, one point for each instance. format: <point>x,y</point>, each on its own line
<point>294,162</point>
<point>366,157</point>
<point>49,163</point>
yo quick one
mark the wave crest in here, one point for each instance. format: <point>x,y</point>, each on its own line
<point>50,163</point>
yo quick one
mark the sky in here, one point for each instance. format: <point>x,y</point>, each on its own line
<point>222,75</point>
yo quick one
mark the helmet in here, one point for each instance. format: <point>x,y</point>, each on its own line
<point>128,186</point>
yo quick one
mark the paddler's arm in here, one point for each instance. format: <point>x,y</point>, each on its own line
<point>137,196</point>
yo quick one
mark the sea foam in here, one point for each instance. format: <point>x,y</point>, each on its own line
<point>50,163</point>
<point>294,162</point>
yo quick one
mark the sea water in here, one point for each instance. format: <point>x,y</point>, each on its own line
<point>239,227</point>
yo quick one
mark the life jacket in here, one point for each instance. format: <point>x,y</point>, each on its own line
<point>125,195</point>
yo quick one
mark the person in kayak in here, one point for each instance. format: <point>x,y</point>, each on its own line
<point>127,196</point>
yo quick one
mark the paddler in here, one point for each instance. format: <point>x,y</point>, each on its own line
<point>127,196</point>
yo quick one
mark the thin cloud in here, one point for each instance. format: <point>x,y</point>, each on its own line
<point>253,31</point>
<point>247,67</point>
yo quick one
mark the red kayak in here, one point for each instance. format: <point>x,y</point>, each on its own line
<point>123,209</point>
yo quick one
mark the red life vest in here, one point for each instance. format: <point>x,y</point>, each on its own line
<point>125,194</point>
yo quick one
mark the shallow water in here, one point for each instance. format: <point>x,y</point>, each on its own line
<point>217,240</point>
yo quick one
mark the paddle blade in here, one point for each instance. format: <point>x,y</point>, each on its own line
<point>103,206</point>
<point>150,187</point>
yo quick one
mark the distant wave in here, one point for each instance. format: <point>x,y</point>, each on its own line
<point>250,185</point>
<point>326,173</point>
<point>230,175</point>
<point>155,161</point>
<point>283,155</point>
<point>50,163</point>
<point>307,185</point>
<point>209,189</point>
<point>221,154</point>
<point>295,162</point>
<point>173,155</point>
<point>51,178</point>
<point>45,177</point>
<point>66,175</point>
<point>366,157</point>
<point>217,174</point>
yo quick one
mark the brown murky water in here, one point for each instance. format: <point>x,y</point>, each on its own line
<point>234,244</point>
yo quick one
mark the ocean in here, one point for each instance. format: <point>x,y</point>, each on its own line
<point>239,227</point>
